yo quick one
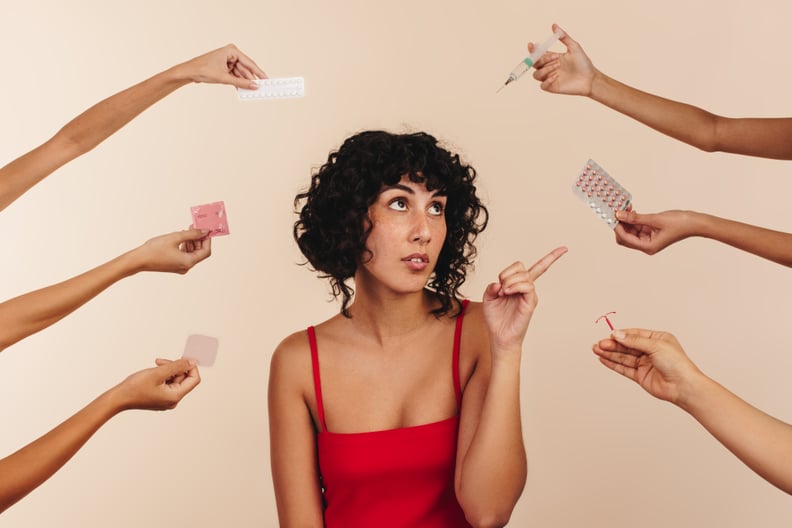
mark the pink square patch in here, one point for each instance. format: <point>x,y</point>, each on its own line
<point>211,217</point>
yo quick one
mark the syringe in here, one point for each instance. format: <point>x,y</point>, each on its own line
<point>529,61</point>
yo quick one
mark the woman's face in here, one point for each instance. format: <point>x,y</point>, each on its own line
<point>408,230</point>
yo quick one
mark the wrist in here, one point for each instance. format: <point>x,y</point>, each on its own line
<point>112,402</point>
<point>506,356</point>
<point>179,75</point>
<point>599,85</point>
<point>132,262</point>
<point>692,393</point>
<point>703,225</point>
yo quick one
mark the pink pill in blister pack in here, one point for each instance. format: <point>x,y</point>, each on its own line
<point>601,192</point>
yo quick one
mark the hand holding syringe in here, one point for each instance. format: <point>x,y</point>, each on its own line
<point>531,59</point>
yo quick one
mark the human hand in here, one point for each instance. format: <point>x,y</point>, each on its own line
<point>654,360</point>
<point>510,302</point>
<point>226,65</point>
<point>159,388</point>
<point>570,73</point>
<point>175,252</point>
<point>651,233</point>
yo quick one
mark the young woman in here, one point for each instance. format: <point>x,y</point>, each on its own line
<point>403,409</point>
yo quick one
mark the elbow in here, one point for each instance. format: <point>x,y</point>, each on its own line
<point>708,146</point>
<point>488,521</point>
<point>70,143</point>
<point>709,139</point>
<point>490,513</point>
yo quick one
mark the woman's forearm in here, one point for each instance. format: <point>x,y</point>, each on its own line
<point>28,468</point>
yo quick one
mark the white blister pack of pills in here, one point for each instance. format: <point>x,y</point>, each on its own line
<point>601,192</point>
<point>278,88</point>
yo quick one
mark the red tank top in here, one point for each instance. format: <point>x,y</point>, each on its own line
<point>395,478</point>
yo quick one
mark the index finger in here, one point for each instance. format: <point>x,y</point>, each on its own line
<point>251,65</point>
<point>545,262</point>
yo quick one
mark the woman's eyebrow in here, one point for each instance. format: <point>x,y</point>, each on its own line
<point>409,190</point>
<point>398,186</point>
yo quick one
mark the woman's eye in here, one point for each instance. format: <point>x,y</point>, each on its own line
<point>436,208</point>
<point>398,204</point>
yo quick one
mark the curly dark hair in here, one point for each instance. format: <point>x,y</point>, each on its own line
<point>331,230</point>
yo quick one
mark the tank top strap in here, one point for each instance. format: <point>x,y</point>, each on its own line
<point>317,381</point>
<point>455,359</point>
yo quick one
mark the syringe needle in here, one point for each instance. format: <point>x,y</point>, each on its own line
<point>504,85</point>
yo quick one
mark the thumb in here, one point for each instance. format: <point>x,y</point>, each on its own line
<point>491,292</point>
<point>646,341</point>
<point>631,217</point>
<point>568,41</point>
<point>190,234</point>
<point>241,82</point>
<point>179,366</point>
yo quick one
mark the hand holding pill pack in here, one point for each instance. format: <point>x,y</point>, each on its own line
<point>601,192</point>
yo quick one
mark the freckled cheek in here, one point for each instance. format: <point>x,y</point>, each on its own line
<point>380,239</point>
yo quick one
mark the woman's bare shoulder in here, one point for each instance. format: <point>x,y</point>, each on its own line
<point>294,351</point>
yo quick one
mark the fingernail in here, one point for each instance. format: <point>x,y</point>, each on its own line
<point>192,363</point>
<point>618,334</point>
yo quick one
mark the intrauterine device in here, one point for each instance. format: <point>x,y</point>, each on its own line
<point>211,217</point>
<point>278,88</point>
<point>605,317</point>
<point>601,192</point>
<point>531,59</point>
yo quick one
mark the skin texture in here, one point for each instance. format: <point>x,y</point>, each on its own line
<point>379,366</point>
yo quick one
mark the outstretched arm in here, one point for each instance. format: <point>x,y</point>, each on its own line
<point>651,233</point>
<point>27,314</point>
<point>157,388</point>
<point>491,463</point>
<point>573,73</point>
<point>226,65</point>
<point>657,362</point>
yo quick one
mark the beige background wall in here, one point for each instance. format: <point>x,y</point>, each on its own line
<point>602,452</point>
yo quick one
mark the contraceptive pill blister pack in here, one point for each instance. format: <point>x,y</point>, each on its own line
<point>601,192</point>
<point>278,88</point>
